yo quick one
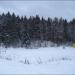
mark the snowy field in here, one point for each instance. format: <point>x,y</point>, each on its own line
<point>51,60</point>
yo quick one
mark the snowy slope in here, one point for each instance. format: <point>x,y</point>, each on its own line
<point>52,60</point>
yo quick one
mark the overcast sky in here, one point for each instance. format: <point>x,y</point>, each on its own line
<point>65,9</point>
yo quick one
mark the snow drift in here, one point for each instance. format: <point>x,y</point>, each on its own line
<point>51,60</point>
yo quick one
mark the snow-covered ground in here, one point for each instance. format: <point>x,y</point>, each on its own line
<point>51,60</point>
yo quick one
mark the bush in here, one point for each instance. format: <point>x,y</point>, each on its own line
<point>73,45</point>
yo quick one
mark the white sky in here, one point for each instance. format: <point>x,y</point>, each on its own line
<point>65,9</point>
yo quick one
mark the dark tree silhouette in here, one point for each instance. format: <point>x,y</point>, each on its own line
<point>18,31</point>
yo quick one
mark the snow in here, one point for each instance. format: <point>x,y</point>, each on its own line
<point>49,60</point>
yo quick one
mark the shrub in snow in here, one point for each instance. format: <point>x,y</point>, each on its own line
<point>26,61</point>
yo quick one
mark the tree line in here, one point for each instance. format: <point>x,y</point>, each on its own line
<point>18,31</point>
